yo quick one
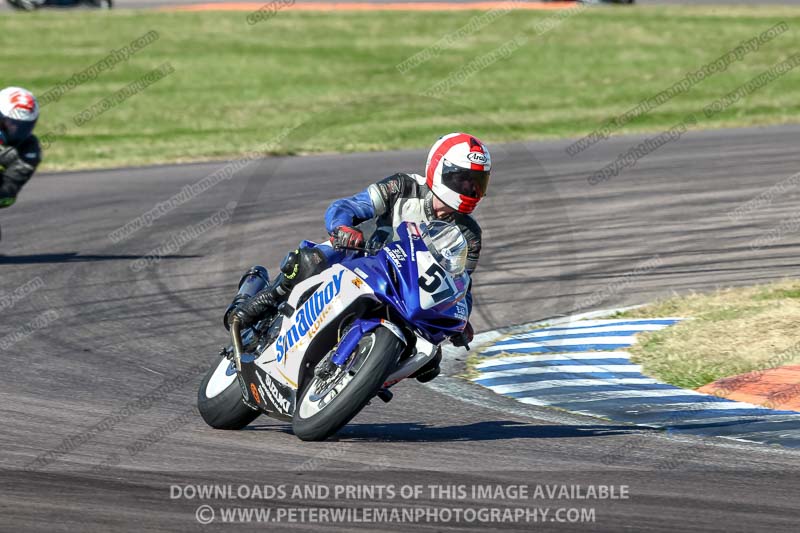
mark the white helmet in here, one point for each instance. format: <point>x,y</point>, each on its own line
<point>19,112</point>
<point>457,171</point>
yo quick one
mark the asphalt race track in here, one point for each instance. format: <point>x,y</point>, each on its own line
<point>113,335</point>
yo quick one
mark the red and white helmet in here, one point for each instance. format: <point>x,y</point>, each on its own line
<point>19,112</point>
<point>457,171</point>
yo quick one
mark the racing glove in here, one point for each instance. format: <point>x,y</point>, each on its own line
<point>345,236</point>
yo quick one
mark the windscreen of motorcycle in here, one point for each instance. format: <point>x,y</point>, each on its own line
<point>447,245</point>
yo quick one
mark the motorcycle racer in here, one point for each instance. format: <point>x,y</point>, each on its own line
<point>456,179</point>
<point>20,152</point>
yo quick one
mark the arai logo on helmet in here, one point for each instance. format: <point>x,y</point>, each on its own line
<point>479,158</point>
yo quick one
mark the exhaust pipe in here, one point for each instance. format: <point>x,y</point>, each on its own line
<point>236,338</point>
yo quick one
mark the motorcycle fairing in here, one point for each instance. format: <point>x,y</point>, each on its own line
<point>402,275</point>
<point>317,306</point>
<point>332,293</point>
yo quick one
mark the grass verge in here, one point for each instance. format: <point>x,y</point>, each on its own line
<point>236,86</point>
<point>732,331</point>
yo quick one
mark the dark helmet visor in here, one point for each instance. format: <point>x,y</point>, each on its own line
<point>471,183</point>
<point>16,130</point>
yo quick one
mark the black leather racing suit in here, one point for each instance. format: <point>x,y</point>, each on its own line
<point>396,199</point>
<point>393,200</point>
<point>17,165</point>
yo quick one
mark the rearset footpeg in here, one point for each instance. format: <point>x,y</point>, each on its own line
<point>386,395</point>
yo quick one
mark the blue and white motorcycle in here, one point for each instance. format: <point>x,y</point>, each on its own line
<point>343,336</point>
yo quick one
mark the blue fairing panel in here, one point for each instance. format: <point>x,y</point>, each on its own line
<point>395,280</point>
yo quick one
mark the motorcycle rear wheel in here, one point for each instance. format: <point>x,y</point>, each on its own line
<point>221,404</point>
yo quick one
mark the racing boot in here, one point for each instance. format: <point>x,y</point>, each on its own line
<point>265,303</point>
<point>297,266</point>
<point>251,283</point>
<point>261,306</point>
<point>431,369</point>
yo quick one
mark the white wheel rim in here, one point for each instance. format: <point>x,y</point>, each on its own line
<point>309,407</point>
<point>220,380</point>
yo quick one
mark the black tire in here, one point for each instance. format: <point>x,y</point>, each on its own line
<point>225,410</point>
<point>381,359</point>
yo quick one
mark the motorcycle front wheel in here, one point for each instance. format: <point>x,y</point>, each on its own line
<point>328,403</point>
